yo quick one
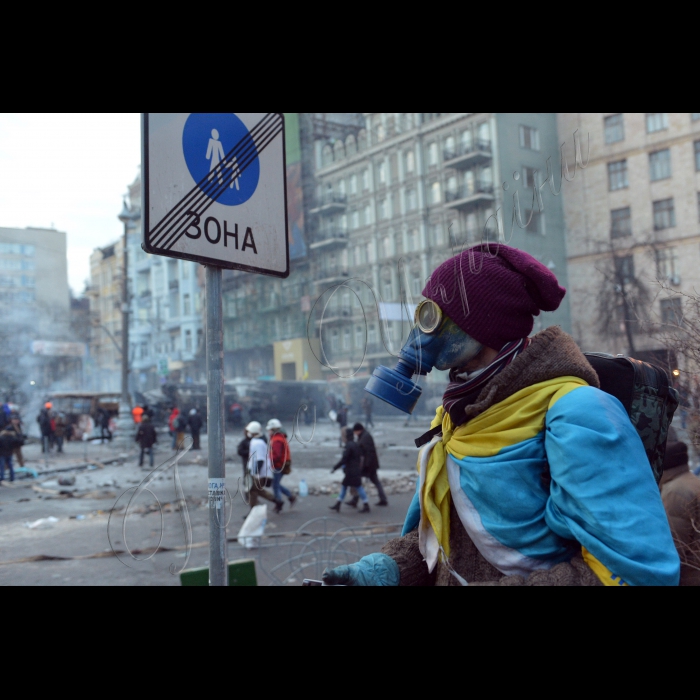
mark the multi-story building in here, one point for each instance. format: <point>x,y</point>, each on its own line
<point>165,305</point>
<point>265,319</point>
<point>633,222</point>
<point>105,294</point>
<point>36,309</point>
<point>166,328</point>
<point>406,193</point>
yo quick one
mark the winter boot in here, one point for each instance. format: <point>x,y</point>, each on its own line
<point>292,500</point>
<point>365,508</point>
<point>278,506</point>
<point>336,507</point>
<point>353,502</point>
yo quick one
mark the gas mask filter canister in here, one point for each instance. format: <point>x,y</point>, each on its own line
<point>434,341</point>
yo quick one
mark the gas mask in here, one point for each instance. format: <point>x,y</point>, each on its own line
<point>435,342</point>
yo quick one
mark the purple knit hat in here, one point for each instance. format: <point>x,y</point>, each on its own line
<point>493,292</point>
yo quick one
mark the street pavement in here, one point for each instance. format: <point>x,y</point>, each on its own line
<point>69,543</point>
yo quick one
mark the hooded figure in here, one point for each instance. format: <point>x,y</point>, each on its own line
<point>530,474</point>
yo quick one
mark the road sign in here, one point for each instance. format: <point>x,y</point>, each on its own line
<point>215,189</point>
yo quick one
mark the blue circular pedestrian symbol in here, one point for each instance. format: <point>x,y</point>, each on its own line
<point>221,157</point>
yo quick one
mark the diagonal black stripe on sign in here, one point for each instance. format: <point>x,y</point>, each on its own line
<point>207,189</point>
<point>188,211</point>
<point>193,214</point>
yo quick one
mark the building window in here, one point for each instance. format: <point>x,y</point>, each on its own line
<point>417,286</point>
<point>186,270</point>
<point>383,209</point>
<point>388,290</point>
<point>695,116</point>
<point>535,225</point>
<point>672,311</point>
<point>531,178</point>
<point>188,341</point>
<point>433,155</point>
<point>410,162</point>
<point>187,304</point>
<point>617,175</point>
<point>347,345</point>
<point>372,335</point>
<point>436,193</point>
<point>367,216</point>
<point>621,223</point>
<point>359,337</point>
<point>657,122</point>
<point>386,247</point>
<point>529,138</point>
<point>664,214</point>
<point>614,129</point>
<point>411,203</point>
<point>666,269</point>
<point>381,173</point>
<point>200,339</point>
<point>371,257</point>
<point>624,269</point>
<point>365,180</point>
<point>355,220</point>
<point>353,184</point>
<point>660,164</point>
<point>697,155</point>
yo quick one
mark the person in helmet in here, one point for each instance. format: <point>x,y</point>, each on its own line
<point>259,466</point>
<point>281,463</point>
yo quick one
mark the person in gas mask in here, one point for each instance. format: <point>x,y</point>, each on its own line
<point>530,474</point>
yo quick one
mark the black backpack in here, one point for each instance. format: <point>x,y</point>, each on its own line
<point>647,395</point>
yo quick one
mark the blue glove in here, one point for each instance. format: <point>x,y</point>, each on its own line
<point>373,570</point>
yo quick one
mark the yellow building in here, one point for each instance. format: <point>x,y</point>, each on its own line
<point>295,360</point>
<point>106,270</point>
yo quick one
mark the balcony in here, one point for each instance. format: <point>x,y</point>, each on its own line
<point>331,203</point>
<point>467,197</point>
<point>329,240</point>
<point>331,276</point>
<point>467,155</point>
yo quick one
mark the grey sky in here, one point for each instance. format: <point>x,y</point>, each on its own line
<point>69,171</point>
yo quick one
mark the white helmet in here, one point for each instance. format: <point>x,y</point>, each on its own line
<point>274,424</point>
<point>254,428</point>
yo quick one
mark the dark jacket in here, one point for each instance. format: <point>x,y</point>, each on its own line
<point>181,424</point>
<point>244,450</point>
<point>195,422</point>
<point>9,441</point>
<point>44,421</point>
<point>368,452</point>
<point>146,436</point>
<point>680,491</point>
<point>351,461</point>
<point>342,418</point>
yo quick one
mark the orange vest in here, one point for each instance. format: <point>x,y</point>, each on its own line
<point>138,414</point>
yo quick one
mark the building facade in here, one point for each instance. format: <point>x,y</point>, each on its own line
<point>406,193</point>
<point>633,219</point>
<point>36,310</point>
<point>265,319</point>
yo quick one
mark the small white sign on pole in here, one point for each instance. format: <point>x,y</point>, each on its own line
<point>215,190</point>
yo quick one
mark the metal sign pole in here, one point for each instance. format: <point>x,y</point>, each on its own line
<point>218,555</point>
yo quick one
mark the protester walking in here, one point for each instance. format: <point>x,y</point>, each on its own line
<point>195,422</point>
<point>281,463</point>
<point>44,421</point>
<point>146,437</point>
<point>9,441</point>
<point>259,466</point>
<point>370,463</point>
<point>680,492</point>
<point>174,415</point>
<point>244,452</point>
<point>59,430</point>
<point>350,463</point>
<point>181,423</point>
<point>103,425</point>
<point>16,425</point>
